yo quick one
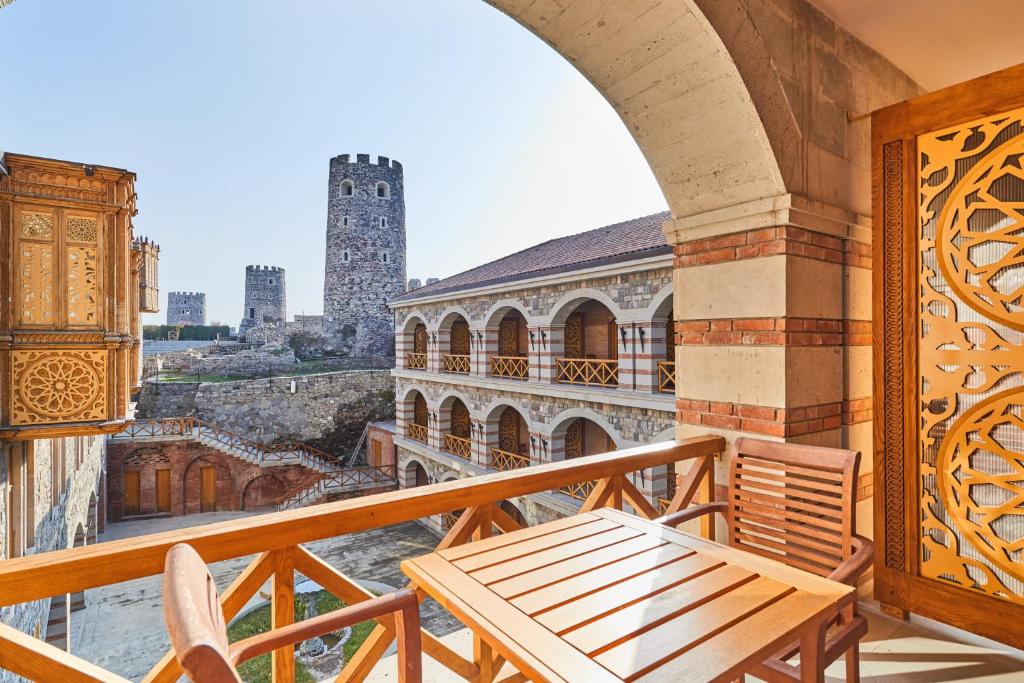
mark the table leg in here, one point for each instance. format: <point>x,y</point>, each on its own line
<point>483,658</point>
<point>812,653</point>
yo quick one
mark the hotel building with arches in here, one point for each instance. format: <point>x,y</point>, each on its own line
<point>561,350</point>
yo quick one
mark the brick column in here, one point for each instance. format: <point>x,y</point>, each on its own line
<point>480,350</point>
<point>440,419</point>
<point>486,438</point>
<point>403,345</point>
<point>439,344</point>
<point>549,346</point>
<point>773,327</point>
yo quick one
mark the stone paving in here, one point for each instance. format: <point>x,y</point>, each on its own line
<point>122,626</point>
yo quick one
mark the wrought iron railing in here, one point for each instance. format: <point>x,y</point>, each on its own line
<point>455,363</point>
<point>516,367</point>
<point>505,460</point>
<point>587,371</point>
<point>667,376</point>
<point>275,542</point>
<point>416,432</point>
<point>458,445</point>
<point>416,361</point>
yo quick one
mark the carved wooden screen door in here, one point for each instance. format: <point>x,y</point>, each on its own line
<point>419,338</point>
<point>948,174</point>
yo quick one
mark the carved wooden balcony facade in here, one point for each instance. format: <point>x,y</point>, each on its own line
<point>416,432</point>
<point>416,361</point>
<point>69,322</point>
<point>458,445</point>
<point>456,363</point>
<point>275,542</point>
<point>587,371</point>
<point>516,367</point>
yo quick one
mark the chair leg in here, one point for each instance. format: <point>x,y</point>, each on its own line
<point>852,658</point>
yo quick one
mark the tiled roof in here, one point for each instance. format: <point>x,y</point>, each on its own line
<point>632,239</point>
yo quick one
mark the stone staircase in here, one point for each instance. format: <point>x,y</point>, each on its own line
<point>332,479</point>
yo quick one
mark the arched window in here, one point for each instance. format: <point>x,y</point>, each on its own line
<point>345,256</point>
<point>383,190</point>
<point>384,256</point>
<point>347,188</point>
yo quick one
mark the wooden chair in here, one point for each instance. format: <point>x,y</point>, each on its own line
<point>199,635</point>
<point>796,504</point>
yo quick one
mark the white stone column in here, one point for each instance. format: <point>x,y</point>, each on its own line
<point>549,347</point>
<point>486,439</point>
<point>440,342</point>
<point>478,352</point>
<point>626,341</point>
<point>489,349</point>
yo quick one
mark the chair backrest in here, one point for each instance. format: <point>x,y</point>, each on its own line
<point>195,620</point>
<point>793,503</point>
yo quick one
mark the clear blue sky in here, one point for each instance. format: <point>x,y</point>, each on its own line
<point>228,111</point>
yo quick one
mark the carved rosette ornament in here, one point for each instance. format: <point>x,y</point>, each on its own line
<point>54,387</point>
<point>971,356</point>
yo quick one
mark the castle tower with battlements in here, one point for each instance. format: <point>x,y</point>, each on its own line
<point>186,308</point>
<point>365,254</point>
<point>265,297</point>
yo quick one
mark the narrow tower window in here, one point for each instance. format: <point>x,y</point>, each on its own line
<point>344,221</point>
<point>383,190</point>
<point>347,188</point>
<point>383,222</point>
<point>270,281</point>
<point>384,256</point>
<point>344,256</point>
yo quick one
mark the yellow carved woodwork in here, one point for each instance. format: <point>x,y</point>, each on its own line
<point>61,386</point>
<point>35,283</point>
<point>508,337</point>
<point>36,225</point>
<point>80,229</point>
<point>574,439</point>
<point>82,292</point>
<point>419,339</point>
<point>508,430</point>
<point>460,338</point>
<point>971,255</point>
<point>460,419</point>
<point>574,336</point>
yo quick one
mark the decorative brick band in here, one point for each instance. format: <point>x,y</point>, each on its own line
<point>857,410</point>
<point>773,332</point>
<point>865,486</point>
<point>758,243</point>
<point>858,254</point>
<point>781,422</point>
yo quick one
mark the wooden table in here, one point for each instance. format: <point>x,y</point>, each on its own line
<point>607,596</point>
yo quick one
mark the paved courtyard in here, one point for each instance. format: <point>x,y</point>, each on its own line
<point>122,626</point>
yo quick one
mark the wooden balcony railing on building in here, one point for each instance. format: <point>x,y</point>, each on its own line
<point>454,363</point>
<point>345,481</point>
<point>579,490</point>
<point>458,445</point>
<point>590,372</point>
<point>276,539</point>
<point>667,376</point>
<point>416,432</point>
<point>449,519</point>
<point>516,367</point>
<point>416,361</point>
<point>505,461</point>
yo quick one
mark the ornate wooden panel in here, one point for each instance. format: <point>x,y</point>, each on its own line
<point>53,387</point>
<point>460,338</point>
<point>419,338</point>
<point>574,336</point>
<point>460,419</point>
<point>508,337</point>
<point>949,354</point>
<point>36,296</point>
<point>508,430</point>
<point>574,439</point>
<point>420,410</point>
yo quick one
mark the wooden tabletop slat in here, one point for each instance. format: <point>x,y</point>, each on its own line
<point>525,563</point>
<point>533,649</point>
<point>642,616</point>
<point>656,559</point>
<point>757,637</point>
<point>510,551</point>
<point>612,598</point>
<point>477,547</point>
<point>647,650</point>
<point>587,562</point>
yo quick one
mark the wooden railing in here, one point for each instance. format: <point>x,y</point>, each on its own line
<point>667,376</point>
<point>170,426</point>
<point>416,361</point>
<point>345,481</point>
<point>587,371</point>
<point>455,363</point>
<point>276,541</point>
<point>505,460</point>
<point>458,445</point>
<point>416,432</point>
<point>516,367</point>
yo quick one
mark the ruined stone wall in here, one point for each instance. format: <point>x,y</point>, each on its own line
<point>265,297</point>
<point>365,263</point>
<point>240,485</point>
<point>240,361</point>
<point>186,308</point>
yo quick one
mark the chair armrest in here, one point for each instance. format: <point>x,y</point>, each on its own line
<point>404,601</point>
<point>677,518</point>
<point>851,569</point>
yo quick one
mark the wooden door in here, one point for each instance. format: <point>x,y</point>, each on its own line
<point>131,493</point>
<point>508,431</point>
<point>207,489</point>
<point>419,338</point>
<point>163,490</point>
<point>949,355</point>
<point>376,454</point>
<point>574,439</point>
<point>573,336</point>
<point>508,336</point>
<point>460,419</point>
<point>459,338</point>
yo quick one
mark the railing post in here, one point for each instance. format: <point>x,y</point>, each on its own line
<point>707,495</point>
<point>282,613</point>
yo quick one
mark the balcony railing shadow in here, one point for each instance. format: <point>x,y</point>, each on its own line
<point>276,539</point>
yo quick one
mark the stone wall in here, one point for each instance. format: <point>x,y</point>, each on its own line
<point>234,360</point>
<point>63,510</point>
<point>186,308</point>
<point>329,409</point>
<point>240,485</point>
<point>265,297</point>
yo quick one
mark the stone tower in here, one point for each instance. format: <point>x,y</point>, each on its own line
<point>186,308</point>
<point>265,298</point>
<point>365,254</point>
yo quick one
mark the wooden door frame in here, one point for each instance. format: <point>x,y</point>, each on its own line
<point>895,327</point>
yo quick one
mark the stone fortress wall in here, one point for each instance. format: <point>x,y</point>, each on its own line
<point>265,297</point>
<point>365,263</point>
<point>186,308</point>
